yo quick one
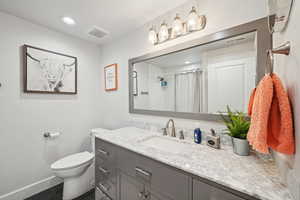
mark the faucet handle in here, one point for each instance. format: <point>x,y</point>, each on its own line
<point>213,132</point>
<point>164,131</point>
<point>181,136</point>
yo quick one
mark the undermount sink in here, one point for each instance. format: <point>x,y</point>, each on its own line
<point>166,144</point>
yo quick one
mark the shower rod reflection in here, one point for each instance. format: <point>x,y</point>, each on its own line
<point>190,71</point>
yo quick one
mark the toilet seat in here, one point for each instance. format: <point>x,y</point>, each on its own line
<point>72,161</point>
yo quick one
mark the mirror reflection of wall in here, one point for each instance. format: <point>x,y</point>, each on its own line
<point>203,79</point>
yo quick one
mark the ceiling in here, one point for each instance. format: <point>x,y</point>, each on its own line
<point>117,17</point>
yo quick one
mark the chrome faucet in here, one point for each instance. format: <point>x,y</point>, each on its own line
<point>173,133</point>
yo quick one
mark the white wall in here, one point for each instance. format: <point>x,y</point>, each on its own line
<point>25,156</point>
<point>288,67</point>
<point>221,15</point>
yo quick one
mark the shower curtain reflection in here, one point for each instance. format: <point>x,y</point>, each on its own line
<point>189,92</point>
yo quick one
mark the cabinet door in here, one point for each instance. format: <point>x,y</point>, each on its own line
<point>154,195</point>
<point>161,178</point>
<point>130,189</point>
<point>168,182</point>
<point>203,191</point>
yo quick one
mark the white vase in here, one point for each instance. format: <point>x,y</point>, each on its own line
<point>240,146</point>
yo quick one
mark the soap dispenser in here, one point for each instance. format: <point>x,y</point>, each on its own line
<point>213,140</point>
<point>197,136</point>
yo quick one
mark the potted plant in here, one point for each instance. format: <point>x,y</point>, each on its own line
<point>237,125</point>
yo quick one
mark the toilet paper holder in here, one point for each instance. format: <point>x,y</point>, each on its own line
<point>51,135</point>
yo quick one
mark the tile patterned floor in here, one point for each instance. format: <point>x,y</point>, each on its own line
<point>55,193</point>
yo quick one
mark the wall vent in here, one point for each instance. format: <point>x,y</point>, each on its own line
<point>97,32</point>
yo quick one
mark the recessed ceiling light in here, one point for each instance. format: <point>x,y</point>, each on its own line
<point>68,21</point>
<point>187,62</point>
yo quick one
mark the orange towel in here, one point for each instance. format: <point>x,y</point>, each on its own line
<point>271,117</point>
<point>258,131</point>
<point>251,102</point>
<point>281,135</point>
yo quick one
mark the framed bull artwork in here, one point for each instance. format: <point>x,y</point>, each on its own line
<point>49,72</point>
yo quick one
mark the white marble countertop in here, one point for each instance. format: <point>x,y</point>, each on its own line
<point>248,174</point>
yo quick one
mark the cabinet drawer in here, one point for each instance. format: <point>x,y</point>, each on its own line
<point>107,188</point>
<point>103,174</point>
<point>104,150</point>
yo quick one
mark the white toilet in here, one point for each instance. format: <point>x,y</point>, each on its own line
<point>77,172</point>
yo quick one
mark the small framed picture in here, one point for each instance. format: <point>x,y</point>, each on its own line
<point>49,72</point>
<point>111,77</point>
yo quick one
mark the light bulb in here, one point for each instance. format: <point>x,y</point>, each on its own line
<point>177,27</point>
<point>193,20</point>
<point>163,32</point>
<point>152,36</point>
<point>68,20</point>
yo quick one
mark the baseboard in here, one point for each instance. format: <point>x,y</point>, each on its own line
<point>32,189</point>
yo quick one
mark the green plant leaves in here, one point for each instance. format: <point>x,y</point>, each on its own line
<point>237,123</point>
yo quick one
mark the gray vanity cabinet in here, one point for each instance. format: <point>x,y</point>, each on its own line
<point>122,174</point>
<point>203,191</point>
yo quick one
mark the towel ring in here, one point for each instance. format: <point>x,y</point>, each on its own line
<point>279,14</point>
<point>270,24</point>
<point>282,49</point>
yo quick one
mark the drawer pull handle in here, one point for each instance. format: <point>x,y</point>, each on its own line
<point>103,152</point>
<point>144,195</point>
<point>105,171</point>
<point>103,187</point>
<point>143,172</point>
<point>141,195</point>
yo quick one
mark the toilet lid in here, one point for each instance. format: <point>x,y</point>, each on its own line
<point>72,161</point>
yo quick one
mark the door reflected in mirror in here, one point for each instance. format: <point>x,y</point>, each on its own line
<point>202,79</point>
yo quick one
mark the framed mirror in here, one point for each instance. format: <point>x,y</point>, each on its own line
<point>198,79</point>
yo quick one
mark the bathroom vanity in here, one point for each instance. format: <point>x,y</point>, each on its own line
<point>135,164</point>
<point>194,80</point>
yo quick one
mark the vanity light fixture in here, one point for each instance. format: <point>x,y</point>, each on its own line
<point>152,36</point>
<point>187,62</point>
<point>177,28</point>
<point>193,20</point>
<point>163,34</point>
<point>68,20</point>
<point>193,23</point>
